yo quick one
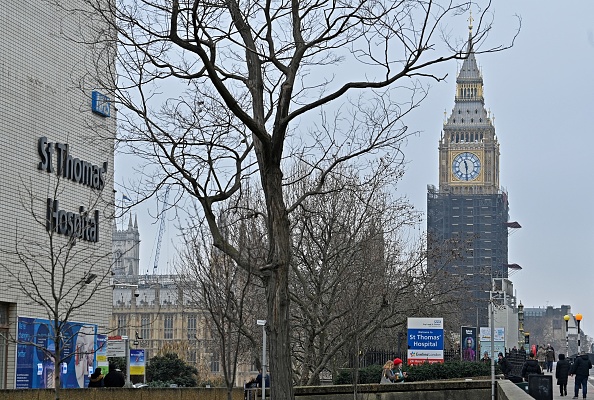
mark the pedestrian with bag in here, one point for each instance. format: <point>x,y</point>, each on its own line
<point>387,373</point>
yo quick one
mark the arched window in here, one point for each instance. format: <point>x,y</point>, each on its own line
<point>117,259</point>
<point>215,365</point>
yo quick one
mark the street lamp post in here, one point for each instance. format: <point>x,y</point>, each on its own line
<point>262,322</point>
<point>566,318</point>
<point>578,318</point>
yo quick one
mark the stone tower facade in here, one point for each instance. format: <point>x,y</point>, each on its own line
<point>126,249</point>
<point>468,149</point>
<point>467,216</point>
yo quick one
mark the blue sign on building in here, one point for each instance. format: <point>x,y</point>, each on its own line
<point>100,104</point>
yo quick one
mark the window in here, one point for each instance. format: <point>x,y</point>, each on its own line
<point>214,362</point>
<point>122,325</point>
<point>192,356</point>
<point>145,327</point>
<point>117,262</point>
<point>168,327</point>
<point>192,326</point>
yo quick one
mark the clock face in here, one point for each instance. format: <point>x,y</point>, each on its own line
<point>466,166</point>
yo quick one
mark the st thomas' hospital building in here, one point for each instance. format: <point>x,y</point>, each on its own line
<point>56,188</point>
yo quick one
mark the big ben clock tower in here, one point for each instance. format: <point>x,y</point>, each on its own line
<point>467,215</point>
<point>468,149</point>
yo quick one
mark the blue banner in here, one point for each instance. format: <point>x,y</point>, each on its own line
<point>35,361</point>
<point>425,339</point>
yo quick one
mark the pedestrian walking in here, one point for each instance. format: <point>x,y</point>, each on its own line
<point>541,356</point>
<point>530,367</point>
<point>581,370</point>
<point>399,375</point>
<point>550,357</point>
<point>387,373</point>
<point>562,373</point>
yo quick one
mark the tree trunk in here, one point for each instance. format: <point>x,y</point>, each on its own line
<point>278,331</point>
<point>277,285</point>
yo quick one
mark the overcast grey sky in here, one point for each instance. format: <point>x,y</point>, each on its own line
<point>541,93</point>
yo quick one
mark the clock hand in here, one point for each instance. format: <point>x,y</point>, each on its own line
<point>466,166</point>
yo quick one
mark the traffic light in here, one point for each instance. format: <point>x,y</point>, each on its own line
<point>526,338</point>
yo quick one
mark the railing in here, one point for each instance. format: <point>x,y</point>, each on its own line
<point>380,356</point>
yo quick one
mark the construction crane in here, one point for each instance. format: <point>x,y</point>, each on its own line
<point>161,229</point>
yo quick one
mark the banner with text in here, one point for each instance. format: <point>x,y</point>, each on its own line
<point>425,340</point>
<point>36,359</point>
<point>498,340</point>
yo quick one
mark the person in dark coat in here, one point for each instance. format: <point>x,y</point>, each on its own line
<point>114,378</point>
<point>581,370</point>
<point>530,367</point>
<point>259,379</point>
<point>549,357</point>
<point>561,373</point>
<point>504,365</point>
<point>96,379</point>
<point>486,359</point>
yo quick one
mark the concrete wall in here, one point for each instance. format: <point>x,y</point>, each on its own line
<point>507,390</point>
<point>435,390</point>
<point>123,394</point>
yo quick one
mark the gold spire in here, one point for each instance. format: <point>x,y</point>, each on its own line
<point>470,20</point>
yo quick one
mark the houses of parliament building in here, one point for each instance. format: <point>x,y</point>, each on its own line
<point>155,314</point>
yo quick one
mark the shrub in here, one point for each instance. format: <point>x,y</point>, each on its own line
<point>420,372</point>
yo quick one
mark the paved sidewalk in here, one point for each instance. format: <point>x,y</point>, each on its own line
<point>570,387</point>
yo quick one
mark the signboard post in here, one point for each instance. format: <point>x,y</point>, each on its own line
<point>425,340</point>
<point>116,347</point>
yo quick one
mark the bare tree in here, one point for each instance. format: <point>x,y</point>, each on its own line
<point>346,266</point>
<point>60,273</point>
<point>228,294</point>
<point>212,92</point>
